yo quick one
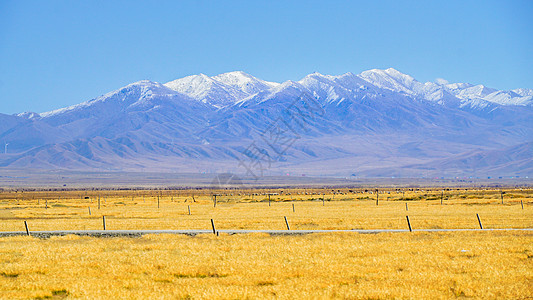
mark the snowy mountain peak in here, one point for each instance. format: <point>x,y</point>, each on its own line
<point>28,115</point>
<point>391,79</point>
<point>396,73</point>
<point>390,72</point>
<point>141,89</point>
<point>221,90</point>
<point>189,82</point>
<point>134,92</point>
<point>244,82</point>
<point>457,86</point>
<point>477,90</point>
<point>317,77</point>
<point>347,74</point>
<point>207,90</point>
<point>235,77</point>
<point>481,96</point>
<point>147,86</point>
<point>523,92</point>
<point>442,92</point>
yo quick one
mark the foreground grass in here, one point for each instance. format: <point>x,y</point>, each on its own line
<point>482,265</point>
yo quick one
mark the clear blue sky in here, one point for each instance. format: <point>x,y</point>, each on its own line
<point>59,53</point>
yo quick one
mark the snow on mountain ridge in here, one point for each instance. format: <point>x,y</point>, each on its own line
<point>509,98</point>
<point>207,90</point>
<point>28,115</point>
<point>233,87</point>
<point>244,82</point>
<point>390,79</point>
<point>393,80</point>
<point>523,92</point>
<point>444,92</point>
<point>236,87</point>
<point>329,88</point>
<point>144,88</point>
<point>476,91</point>
<point>474,95</point>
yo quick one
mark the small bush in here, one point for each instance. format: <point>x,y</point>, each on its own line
<point>62,292</point>
<point>9,275</point>
<point>200,275</point>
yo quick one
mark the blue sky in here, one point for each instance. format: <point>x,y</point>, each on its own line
<point>58,53</point>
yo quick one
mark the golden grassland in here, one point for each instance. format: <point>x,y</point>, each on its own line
<point>418,265</point>
<point>485,265</point>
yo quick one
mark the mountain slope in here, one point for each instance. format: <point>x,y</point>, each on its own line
<point>492,163</point>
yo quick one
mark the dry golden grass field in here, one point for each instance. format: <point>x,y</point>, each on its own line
<point>415,265</point>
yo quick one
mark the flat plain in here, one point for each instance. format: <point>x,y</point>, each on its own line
<point>422,265</point>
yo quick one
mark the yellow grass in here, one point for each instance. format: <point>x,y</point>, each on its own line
<point>483,265</point>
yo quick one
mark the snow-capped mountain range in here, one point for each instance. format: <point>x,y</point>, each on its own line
<point>376,123</point>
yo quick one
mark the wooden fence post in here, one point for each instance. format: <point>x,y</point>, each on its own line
<point>409,223</point>
<point>103,221</point>
<point>214,200</point>
<point>213,225</point>
<point>479,220</point>
<point>27,230</point>
<point>287,223</point>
